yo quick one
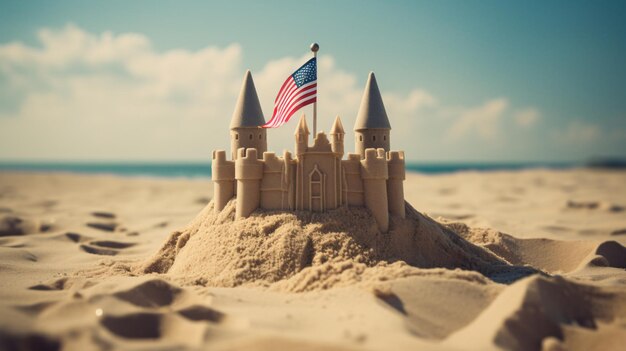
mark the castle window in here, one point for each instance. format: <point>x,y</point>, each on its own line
<point>250,136</point>
<point>384,138</point>
<point>260,136</point>
<point>315,176</point>
<point>360,138</point>
<point>236,136</point>
<point>373,137</point>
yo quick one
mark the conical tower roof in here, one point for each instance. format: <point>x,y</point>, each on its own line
<point>337,127</point>
<point>372,114</point>
<point>248,111</point>
<point>302,127</point>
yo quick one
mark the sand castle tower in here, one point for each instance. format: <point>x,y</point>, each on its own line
<point>302,136</point>
<point>372,128</point>
<point>248,116</point>
<point>337,133</point>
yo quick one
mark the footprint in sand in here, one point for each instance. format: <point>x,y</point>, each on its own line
<point>108,226</point>
<point>105,247</point>
<point>151,323</point>
<point>590,232</point>
<point>98,250</point>
<point>103,214</point>
<point>105,226</point>
<point>456,217</point>
<point>63,284</point>
<point>152,293</point>
<point>202,313</point>
<point>75,237</point>
<point>588,205</point>
<point>154,325</point>
<point>112,244</point>
<point>59,284</point>
<point>557,228</point>
<point>619,232</point>
<point>145,325</point>
<point>13,225</point>
<point>202,200</point>
<point>594,205</point>
<point>161,225</point>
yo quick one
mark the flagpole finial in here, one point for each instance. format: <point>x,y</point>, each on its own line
<point>315,47</point>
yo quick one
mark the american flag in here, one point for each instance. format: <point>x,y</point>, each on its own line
<point>299,90</point>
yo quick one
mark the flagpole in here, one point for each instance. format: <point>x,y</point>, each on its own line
<point>315,47</point>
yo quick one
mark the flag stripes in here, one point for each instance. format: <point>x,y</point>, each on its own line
<point>298,90</point>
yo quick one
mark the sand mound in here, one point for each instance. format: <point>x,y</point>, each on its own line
<point>434,307</point>
<point>551,256</point>
<point>553,307</point>
<point>307,251</point>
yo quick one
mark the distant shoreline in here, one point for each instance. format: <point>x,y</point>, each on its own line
<point>203,170</point>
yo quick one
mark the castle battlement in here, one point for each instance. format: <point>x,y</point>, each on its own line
<point>374,164</point>
<point>317,178</point>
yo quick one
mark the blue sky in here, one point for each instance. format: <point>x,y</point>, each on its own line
<point>462,80</point>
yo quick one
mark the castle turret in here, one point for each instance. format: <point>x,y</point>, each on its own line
<point>248,172</point>
<point>395,184</point>
<point>247,118</point>
<point>302,136</point>
<point>372,128</point>
<point>374,173</point>
<point>337,133</point>
<point>223,176</point>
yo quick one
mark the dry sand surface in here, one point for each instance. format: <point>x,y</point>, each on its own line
<point>527,260</point>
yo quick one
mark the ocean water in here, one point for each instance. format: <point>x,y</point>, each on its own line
<point>203,170</point>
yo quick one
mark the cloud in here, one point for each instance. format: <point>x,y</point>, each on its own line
<point>482,121</point>
<point>579,132</point>
<point>527,118</point>
<point>416,100</point>
<point>81,95</point>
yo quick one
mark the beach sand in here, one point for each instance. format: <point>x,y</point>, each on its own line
<point>522,260</point>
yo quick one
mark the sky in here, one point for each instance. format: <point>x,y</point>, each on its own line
<point>462,81</point>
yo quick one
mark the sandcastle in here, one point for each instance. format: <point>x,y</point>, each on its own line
<point>316,178</point>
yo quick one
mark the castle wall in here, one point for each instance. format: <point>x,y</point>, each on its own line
<point>319,181</point>
<point>292,185</point>
<point>353,183</point>
<point>338,183</point>
<point>375,173</point>
<point>223,176</point>
<point>338,149</point>
<point>248,172</point>
<point>276,181</point>
<point>272,182</point>
<point>395,184</point>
